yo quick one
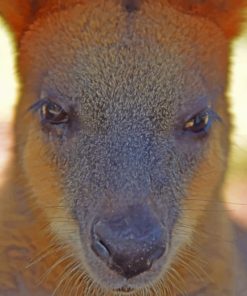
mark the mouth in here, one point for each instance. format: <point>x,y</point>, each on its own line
<point>115,284</point>
<point>126,250</point>
<point>124,289</point>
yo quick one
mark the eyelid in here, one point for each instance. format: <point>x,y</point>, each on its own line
<point>212,114</point>
<point>37,105</point>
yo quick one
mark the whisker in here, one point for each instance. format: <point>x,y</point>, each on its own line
<point>45,253</point>
<point>71,277</point>
<point>64,276</point>
<point>78,282</point>
<point>58,262</point>
<point>174,281</point>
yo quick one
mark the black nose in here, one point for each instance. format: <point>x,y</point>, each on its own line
<point>129,242</point>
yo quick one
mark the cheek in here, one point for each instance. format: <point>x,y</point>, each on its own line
<point>202,188</point>
<point>42,173</point>
<point>205,183</point>
<point>47,188</point>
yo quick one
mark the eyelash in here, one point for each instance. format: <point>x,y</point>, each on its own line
<point>212,117</point>
<point>38,105</point>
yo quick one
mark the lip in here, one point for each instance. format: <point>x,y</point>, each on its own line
<point>125,289</point>
<point>114,283</point>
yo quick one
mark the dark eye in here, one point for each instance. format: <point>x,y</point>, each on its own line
<point>53,113</point>
<point>199,123</point>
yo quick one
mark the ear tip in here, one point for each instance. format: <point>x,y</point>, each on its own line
<point>16,14</point>
<point>227,14</point>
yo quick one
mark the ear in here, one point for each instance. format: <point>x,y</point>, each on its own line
<point>19,13</point>
<point>227,14</point>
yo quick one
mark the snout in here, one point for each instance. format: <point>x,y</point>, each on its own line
<point>129,241</point>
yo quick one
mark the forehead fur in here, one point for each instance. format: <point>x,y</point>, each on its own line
<point>227,14</point>
<point>132,5</point>
<point>99,41</point>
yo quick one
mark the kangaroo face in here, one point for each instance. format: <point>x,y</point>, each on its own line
<point>126,131</point>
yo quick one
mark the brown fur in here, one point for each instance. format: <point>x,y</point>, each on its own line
<point>148,60</point>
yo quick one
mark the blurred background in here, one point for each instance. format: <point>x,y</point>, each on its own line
<point>236,184</point>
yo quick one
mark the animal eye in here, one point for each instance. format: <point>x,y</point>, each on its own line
<point>199,123</point>
<point>53,113</point>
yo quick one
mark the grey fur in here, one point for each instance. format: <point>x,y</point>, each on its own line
<point>129,89</point>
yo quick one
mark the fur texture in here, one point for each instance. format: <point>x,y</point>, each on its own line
<point>129,76</point>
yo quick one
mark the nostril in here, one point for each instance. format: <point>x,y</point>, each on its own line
<point>158,253</point>
<point>100,249</point>
<point>129,248</point>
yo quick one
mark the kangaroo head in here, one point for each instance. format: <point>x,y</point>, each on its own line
<point>127,127</point>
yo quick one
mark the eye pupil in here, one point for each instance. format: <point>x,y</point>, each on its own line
<point>53,113</point>
<point>198,123</point>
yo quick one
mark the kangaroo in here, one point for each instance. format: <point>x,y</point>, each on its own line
<point>121,146</point>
